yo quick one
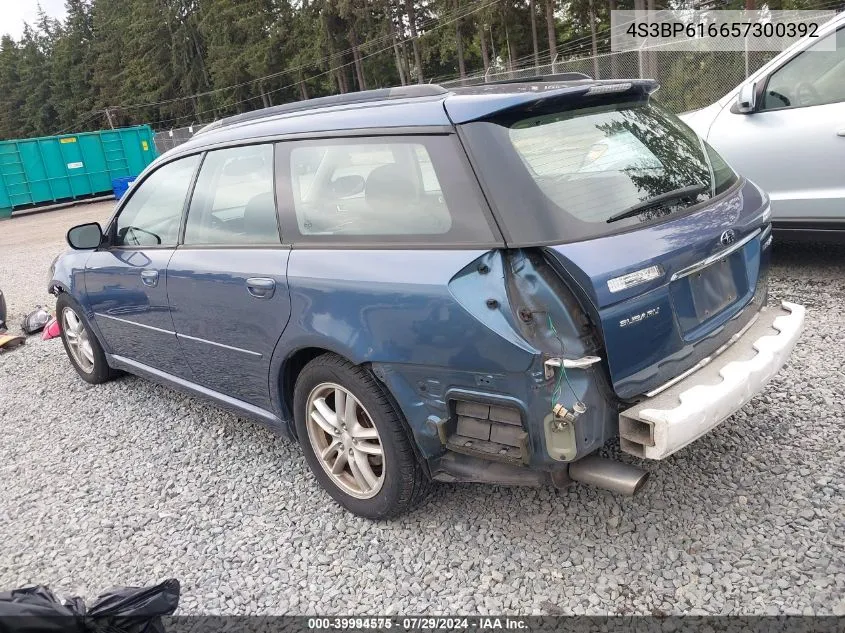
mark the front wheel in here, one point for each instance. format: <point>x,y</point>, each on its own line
<point>355,441</point>
<point>82,347</point>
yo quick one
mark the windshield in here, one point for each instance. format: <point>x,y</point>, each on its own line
<point>603,168</point>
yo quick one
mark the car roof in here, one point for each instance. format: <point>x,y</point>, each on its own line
<point>423,105</point>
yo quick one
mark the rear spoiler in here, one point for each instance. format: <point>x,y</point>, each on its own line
<point>485,101</point>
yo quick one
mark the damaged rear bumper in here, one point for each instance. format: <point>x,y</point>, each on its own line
<point>666,422</point>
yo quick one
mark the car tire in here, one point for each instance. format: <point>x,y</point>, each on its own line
<point>363,457</point>
<point>81,344</point>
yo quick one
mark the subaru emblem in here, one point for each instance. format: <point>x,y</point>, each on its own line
<point>728,237</point>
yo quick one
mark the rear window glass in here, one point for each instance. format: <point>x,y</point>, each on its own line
<point>628,163</point>
<point>415,189</point>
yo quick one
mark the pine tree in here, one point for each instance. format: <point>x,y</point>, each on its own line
<point>71,93</point>
<point>11,98</point>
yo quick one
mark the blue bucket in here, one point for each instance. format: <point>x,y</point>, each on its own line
<point>121,185</point>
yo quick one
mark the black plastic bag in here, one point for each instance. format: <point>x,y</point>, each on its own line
<point>119,610</point>
<point>36,610</point>
<point>135,609</point>
<point>2,311</point>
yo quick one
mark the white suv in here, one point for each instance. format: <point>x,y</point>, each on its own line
<point>784,128</point>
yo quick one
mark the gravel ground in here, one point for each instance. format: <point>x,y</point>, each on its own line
<point>129,483</point>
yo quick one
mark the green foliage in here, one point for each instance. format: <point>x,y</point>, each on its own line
<point>173,63</point>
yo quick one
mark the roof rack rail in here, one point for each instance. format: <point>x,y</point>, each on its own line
<point>380,94</point>
<point>569,76</point>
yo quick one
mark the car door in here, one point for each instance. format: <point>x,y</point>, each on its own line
<point>793,144</point>
<point>126,281</point>
<point>227,283</point>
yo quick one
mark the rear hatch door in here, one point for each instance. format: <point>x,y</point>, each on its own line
<point>702,285</point>
<point>663,241</point>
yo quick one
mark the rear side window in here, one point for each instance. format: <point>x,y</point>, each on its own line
<point>233,199</point>
<point>592,171</point>
<point>385,189</point>
<point>152,216</point>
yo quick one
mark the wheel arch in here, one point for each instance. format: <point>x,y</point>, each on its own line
<point>288,372</point>
<point>293,365</point>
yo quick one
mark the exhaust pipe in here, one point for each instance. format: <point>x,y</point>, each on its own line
<point>609,475</point>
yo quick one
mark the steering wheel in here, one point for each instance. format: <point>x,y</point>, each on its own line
<point>806,94</point>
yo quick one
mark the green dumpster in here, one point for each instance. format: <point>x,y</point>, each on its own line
<point>38,171</point>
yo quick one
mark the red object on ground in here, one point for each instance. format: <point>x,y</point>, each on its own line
<point>51,330</point>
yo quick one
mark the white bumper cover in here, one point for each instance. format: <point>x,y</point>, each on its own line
<point>665,423</point>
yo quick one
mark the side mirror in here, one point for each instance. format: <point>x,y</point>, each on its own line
<point>85,236</point>
<point>746,99</point>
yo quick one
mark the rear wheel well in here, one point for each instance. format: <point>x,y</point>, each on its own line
<point>297,362</point>
<point>290,372</point>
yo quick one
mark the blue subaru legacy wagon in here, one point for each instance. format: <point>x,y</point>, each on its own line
<point>481,284</point>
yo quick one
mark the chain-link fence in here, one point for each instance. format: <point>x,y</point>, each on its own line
<point>688,80</point>
<point>168,139</point>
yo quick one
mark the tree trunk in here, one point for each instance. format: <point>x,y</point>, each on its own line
<point>594,40</point>
<point>652,55</point>
<point>511,52</point>
<point>333,62</point>
<point>356,58</point>
<point>406,64</point>
<point>204,70</point>
<point>550,26</point>
<point>359,68</point>
<point>303,88</point>
<point>343,77</point>
<point>614,57</point>
<point>485,56</point>
<point>459,43</point>
<point>412,24</point>
<point>396,52</point>
<point>398,57</point>
<point>642,61</point>
<point>533,11</point>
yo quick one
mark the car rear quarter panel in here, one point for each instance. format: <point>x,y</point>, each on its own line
<point>395,310</point>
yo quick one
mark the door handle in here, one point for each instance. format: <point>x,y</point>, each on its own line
<point>260,287</point>
<point>149,277</point>
<point>840,132</point>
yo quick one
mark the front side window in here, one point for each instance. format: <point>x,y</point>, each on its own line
<point>233,199</point>
<point>152,216</point>
<point>811,78</point>
<point>385,189</point>
<point>592,171</point>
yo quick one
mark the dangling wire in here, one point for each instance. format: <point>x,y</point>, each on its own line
<point>562,376</point>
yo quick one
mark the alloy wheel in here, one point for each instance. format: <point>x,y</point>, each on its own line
<point>345,440</point>
<point>78,340</point>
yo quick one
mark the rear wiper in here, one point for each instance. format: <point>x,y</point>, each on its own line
<point>684,192</point>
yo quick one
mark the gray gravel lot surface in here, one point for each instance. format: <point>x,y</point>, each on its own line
<point>130,482</point>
